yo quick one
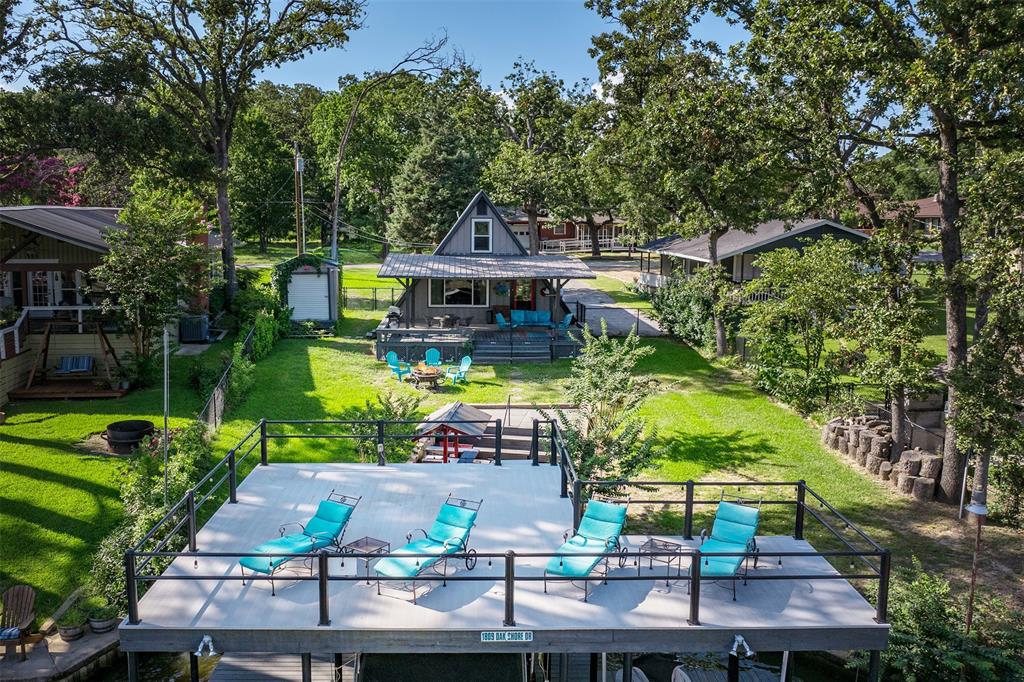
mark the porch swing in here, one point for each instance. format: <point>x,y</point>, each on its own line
<point>75,375</point>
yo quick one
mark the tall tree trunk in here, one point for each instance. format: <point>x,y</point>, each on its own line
<point>721,342</point>
<point>956,293</point>
<point>595,235</point>
<point>898,417</point>
<point>531,220</point>
<point>224,218</point>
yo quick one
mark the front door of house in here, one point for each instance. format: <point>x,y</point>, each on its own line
<point>523,293</point>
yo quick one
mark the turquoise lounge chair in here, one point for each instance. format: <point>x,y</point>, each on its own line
<point>457,374</point>
<point>598,536</point>
<point>565,323</point>
<point>325,529</point>
<point>432,358</point>
<point>448,535</point>
<point>398,368</point>
<point>502,322</point>
<point>734,530</point>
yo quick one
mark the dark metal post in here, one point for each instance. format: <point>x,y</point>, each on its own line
<point>535,443</point>
<point>190,505</point>
<point>564,481</point>
<point>510,589</point>
<point>133,667</point>
<point>553,455</point>
<point>497,442</point>
<point>307,668</point>
<point>884,569</point>
<point>263,442</point>
<point>875,666</point>
<point>688,519</point>
<point>325,596</point>
<point>801,489</point>
<point>232,478</point>
<point>627,667</point>
<point>733,672</point>
<point>381,460</point>
<point>638,322</point>
<point>595,662</point>
<point>694,618</point>
<point>193,668</point>
<point>131,588</point>
<point>576,511</point>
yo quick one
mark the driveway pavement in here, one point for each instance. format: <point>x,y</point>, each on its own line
<point>620,318</point>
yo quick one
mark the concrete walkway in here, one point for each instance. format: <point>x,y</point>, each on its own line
<point>621,319</point>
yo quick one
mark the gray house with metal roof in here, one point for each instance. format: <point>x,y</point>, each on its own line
<point>737,251</point>
<point>479,276</point>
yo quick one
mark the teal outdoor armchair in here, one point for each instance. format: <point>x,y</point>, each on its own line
<point>501,321</point>
<point>596,539</point>
<point>325,529</point>
<point>398,368</point>
<point>734,531</point>
<point>448,535</point>
<point>432,358</point>
<point>457,374</point>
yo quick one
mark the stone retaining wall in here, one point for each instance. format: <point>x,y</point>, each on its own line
<point>867,441</point>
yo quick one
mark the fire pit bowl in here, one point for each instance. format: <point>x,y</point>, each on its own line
<point>123,436</point>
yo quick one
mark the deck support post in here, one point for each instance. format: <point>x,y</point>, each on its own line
<point>193,667</point>
<point>875,666</point>
<point>882,603</point>
<point>733,672</point>
<point>510,589</point>
<point>307,668</point>
<point>563,667</point>
<point>133,667</point>
<point>190,506</point>
<point>535,443</point>
<point>576,511</point>
<point>553,454</point>
<point>694,618</point>
<point>131,588</point>
<point>595,662</point>
<point>381,460</point>
<point>324,592</point>
<point>801,490</point>
<point>497,442</point>
<point>263,442</point>
<point>232,478</point>
<point>627,667</point>
<point>787,666</point>
<point>339,659</point>
<point>688,519</point>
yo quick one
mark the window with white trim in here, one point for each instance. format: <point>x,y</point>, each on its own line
<point>481,235</point>
<point>559,230</point>
<point>467,293</point>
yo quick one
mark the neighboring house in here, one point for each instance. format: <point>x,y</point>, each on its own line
<point>568,235</point>
<point>479,270</point>
<point>675,256</point>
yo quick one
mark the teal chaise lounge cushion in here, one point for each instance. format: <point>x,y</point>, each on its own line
<point>323,530</point>
<point>448,535</point>
<point>734,530</point>
<point>598,533</point>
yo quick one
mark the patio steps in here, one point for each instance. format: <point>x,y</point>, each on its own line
<point>501,354</point>
<point>515,444</point>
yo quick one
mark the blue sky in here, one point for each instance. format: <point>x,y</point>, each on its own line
<point>493,34</point>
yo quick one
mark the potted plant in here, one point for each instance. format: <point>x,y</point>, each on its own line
<point>101,615</point>
<point>71,625</point>
<point>123,375</point>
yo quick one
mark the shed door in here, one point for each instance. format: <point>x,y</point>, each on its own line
<point>308,296</point>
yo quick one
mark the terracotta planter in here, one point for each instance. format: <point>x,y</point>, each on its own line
<point>70,633</point>
<point>101,625</point>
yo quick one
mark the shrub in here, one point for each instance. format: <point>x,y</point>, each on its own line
<point>390,407</point>
<point>241,380</point>
<point>685,311</point>
<point>266,332</point>
<point>202,376</point>
<point>252,300</point>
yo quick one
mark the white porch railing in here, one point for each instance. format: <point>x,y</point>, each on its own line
<point>578,245</point>
<point>652,280</point>
<point>12,339</point>
<point>72,313</point>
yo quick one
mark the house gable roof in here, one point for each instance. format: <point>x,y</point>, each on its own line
<point>735,242</point>
<point>79,225</point>
<point>451,244</point>
<point>480,266</point>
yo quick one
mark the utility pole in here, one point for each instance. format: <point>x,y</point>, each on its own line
<point>300,230</point>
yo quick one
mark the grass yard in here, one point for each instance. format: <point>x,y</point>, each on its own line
<point>248,255</point>
<point>619,292</point>
<point>57,500</point>
<point>364,276</point>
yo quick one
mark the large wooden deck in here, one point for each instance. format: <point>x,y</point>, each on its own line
<point>486,344</point>
<point>522,512</point>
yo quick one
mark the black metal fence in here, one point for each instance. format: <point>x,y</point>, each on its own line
<point>212,412</point>
<point>369,298</point>
<point>182,519</point>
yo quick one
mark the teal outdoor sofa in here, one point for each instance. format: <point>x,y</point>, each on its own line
<point>596,539</point>
<point>734,531</point>
<point>449,535</point>
<point>531,318</point>
<point>325,529</point>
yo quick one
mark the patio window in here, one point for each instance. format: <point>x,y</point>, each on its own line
<point>458,292</point>
<point>560,229</point>
<point>482,235</point>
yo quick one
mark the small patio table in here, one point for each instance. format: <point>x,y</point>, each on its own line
<point>366,545</point>
<point>654,545</point>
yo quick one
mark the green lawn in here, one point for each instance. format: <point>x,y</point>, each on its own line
<point>248,255</point>
<point>618,291</point>
<point>365,275</point>
<point>57,500</point>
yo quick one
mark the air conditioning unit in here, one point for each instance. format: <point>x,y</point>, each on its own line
<point>194,329</point>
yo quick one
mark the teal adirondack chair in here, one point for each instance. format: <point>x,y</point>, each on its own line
<point>457,374</point>
<point>564,324</point>
<point>448,535</point>
<point>502,322</point>
<point>734,530</point>
<point>432,358</point>
<point>597,535</point>
<point>325,529</point>
<point>398,368</point>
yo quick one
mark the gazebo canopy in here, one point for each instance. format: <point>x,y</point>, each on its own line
<point>448,419</point>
